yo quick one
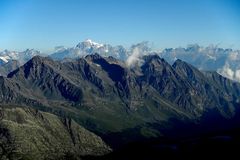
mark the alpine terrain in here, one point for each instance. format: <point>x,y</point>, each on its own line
<point>65,106</point>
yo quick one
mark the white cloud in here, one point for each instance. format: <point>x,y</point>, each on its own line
<point>226,71</point>
<point>134,58</point>
<point>136,52</point>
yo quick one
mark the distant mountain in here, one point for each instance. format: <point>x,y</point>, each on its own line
<point>8,67</point>
<point>10,60</point>
<point>22,57</point>
<point>89,47</point>
<point>212,58</point>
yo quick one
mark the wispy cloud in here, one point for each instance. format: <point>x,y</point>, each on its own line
<point>136,52</point>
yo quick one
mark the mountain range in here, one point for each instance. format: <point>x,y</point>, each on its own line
<point>121,104</point>
<point>89,47</point>
<point>102,103</point>
<point>212,58</point>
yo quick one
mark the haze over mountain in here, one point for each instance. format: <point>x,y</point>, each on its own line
<point>212,58</point>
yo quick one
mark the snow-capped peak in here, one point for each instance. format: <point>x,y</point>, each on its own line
<point>89,43</point>
<point>98,45</point>
<point>90,47</point>
<point>22,57</point>
<point>5,58</point>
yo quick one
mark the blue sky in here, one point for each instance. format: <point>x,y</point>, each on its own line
<point>44,24</point>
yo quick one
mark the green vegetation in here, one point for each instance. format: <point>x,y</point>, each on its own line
<point>31,134</point>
